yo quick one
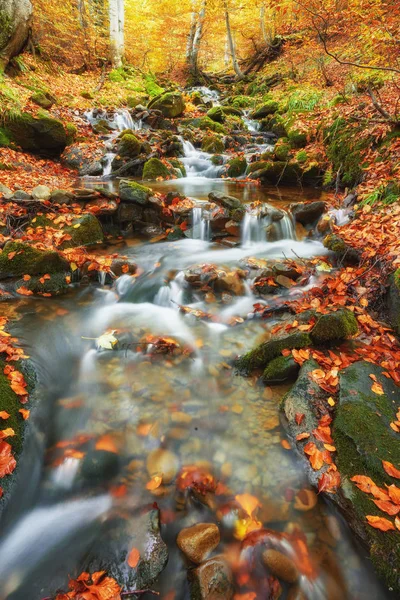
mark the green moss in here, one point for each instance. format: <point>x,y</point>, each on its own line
<point>212,144</point>
<point>217,160</point>
<point>171,104</point>
<point>6,28</point>
<point>129,146</point>
<point>4,139</point>
<point>297,139</point>
<point>282,368</point>
<point>242,101</point>
<point>29,261</point>
<point>9,401</point>
<point>344,147</point>
<point>57,284</point>
<point>237,167</point>
<point>264,353</point>
<point>131,191</point>
<point>42,99</point>
<point>177,164</point>
<point>335,243</point>
<point>338,325</point>
<point>205,123</point>
<point>282,150</point>
<point>301,156</point>
<point>258,166</point>
<point>42,134</point>
<point>84,231</point>
<point>71,131</point>
<point>151,85</point>
<point>216,114</point>
<point>266,109</point>
<point>87,95</point>
<point>154,168</point>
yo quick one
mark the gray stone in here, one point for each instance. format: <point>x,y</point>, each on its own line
<point>229,202</point>
<point>130,191</point>
<point>308,213</point>
<point>5,192</point>
<point>41,192</point>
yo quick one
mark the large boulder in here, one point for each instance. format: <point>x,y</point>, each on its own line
<point>229,202</point>
<point>84,231</point>
<point>269,108</point>
<point>334,326</point>
<point>212,144</point>
<point>171,104</point>
<point>42,134</point>
<point>18,258</point>
<point>155,169</point>
<point>85,158</point>
<point>15,22</point>
<point>308,213</point>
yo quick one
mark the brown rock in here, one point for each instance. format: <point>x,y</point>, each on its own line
<point>212,580</point>
<point>233,228</point>
<point>280,565</point>
<point>162,462</point>
<point>199,541</point>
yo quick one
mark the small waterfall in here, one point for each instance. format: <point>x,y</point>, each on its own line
<point>118,121</point>
<point>254,226</point>
<point>198,163</point>
<point>107,164</point>
<point>252,124</point>
<point>207,94</point>
<point>123,120</point>
<point>200,225</point>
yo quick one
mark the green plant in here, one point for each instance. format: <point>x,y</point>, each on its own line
<point>303,100</point>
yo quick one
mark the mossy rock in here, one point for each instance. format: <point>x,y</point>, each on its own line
<point>87,95</point>
<point>297,139</point>
<point>300,399</point>
<point>363,438</point>
<point>344,147</point>
<point>301,157</point>
<point>393,301</point>
<point>178,166</point>
<point>71,131</point>
<point>171,104</point>
<point>282,368</point>
<point>56,285</point>
<point>232,111</point>
<point>258,166</point>
<point>217,160</point>
<point>261,355</point>
<point>4,139</point>
<point>28,260</point>
<point>334,326</point>
<point>205,123</point>
<point>84,231</point>
<point>129,146</point>
<point>269,108</point>
<point>43,99</point>
<point>282,151</point>
<point>241,101</point>
<point>131,191</point>
<point>154,168</point>
<point>236,167</point>
<point>345,253</point>
<point>42,134</point>
<point>216,114</point>
<point>279,172</point>
<point>212,144</point>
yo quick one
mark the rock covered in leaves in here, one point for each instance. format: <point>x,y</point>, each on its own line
<point>19,258</point>
<point>198,541</point>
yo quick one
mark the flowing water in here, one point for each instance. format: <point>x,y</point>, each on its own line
<point>125,369</point>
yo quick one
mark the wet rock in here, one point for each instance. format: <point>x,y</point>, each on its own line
<point>85,158</point>
<point>265,352</point>
<point>265,110</point>
<point>324,225</point>
<point>212,144</point>
<point>345,254</point>
<point>338,325</point>
<point>119,267</point>
<point>154,169</point>
<point>119,538</point>
<point>278,172</point>
<point>41,192</point>
<point>286,271</point>
<point>228,202</point>
<point>216,114</point>
<point>282,368</point>
<point>162,462</point>
<point>350,200</point>
<point>230,282</point>
<point>62,197</point>
<point>295,593</point>
<point>212,580</point>
<point>236,167</point>
<point>308,213</point>
<point>280,565</point>
<point>199,541</point>
<point>233,228</point>
<point>27,260</point>
<point>130,191</point>
<point>99,466</point>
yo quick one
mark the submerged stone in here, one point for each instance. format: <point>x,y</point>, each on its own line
<point>198,541</point>
<point>212,580</point>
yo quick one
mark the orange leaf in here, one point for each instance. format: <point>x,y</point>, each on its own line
<point>377,388</point>
<point>4,415</point>
<point>9,432</point>
<point>7,461</point>
<point>154,483</point>
<point>380,523</point>
<point>24,291</point>
<point>394,493</point>
<point>302,436</point>
<point>248,502</point>
<point>11,255</point>
<point>133,558</point>
<point>387,507</point>
<point>390,469</point>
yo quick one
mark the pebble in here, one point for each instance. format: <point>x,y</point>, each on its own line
<point>199,541</point>
<point>280,565</point>
<point>162,462</point>
<point>212,580</point>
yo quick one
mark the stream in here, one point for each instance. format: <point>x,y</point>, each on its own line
<point>169,409</point>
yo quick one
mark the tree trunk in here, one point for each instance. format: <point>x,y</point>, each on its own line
<point>15,23</point>
<point>262,24</point>
<point>117,19</point>
<point>194,55</point>
<point>235,63</point>
<point>192,31</point>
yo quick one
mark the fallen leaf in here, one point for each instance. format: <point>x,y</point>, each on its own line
<point>390,469</point>
<point>133,558</point>
<point>380,523</point>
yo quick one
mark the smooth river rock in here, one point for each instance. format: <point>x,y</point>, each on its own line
<point>199,541</point>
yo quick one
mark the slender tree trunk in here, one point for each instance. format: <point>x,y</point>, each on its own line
<point>198,34</point>
<point>192,31</point>
<point>117,19</point>
<point>231,44</point>
<point>262,24</point>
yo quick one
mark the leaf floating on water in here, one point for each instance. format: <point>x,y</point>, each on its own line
<point>380,523</point>
<point>107,341</point>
